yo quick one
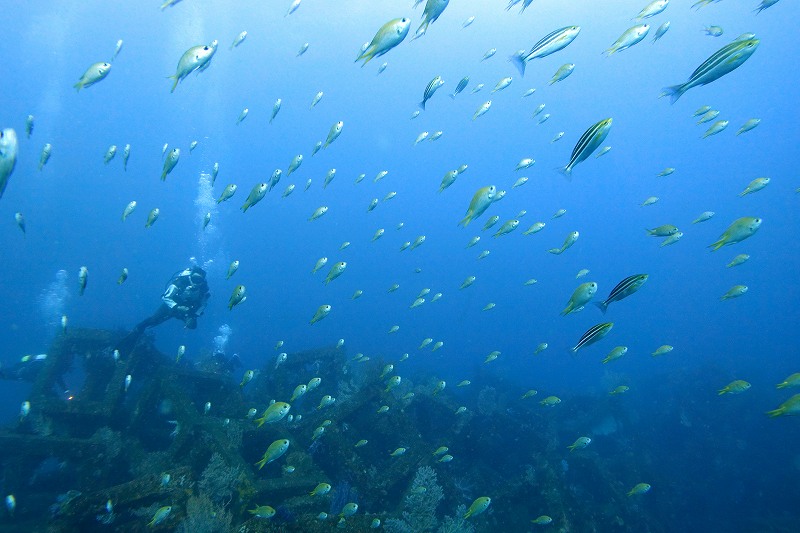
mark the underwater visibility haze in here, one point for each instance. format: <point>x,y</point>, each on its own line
<point>501,265</point>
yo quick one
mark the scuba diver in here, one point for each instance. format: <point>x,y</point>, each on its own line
<point>28,369</point>
<point>184,298</point>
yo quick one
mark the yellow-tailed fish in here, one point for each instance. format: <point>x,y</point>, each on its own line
<point>791,381</point>
<point>755,186</point>
<point>630,37</point>
<point>478,506</point>
<point>321,312</point>
<point>388,36</point>
<point>616,353</point>
<point>238,296</point>
<point>95,73</point>
<point>170,162</point>
<point>734,292</point>
<point>739,230</point>
<point>274,451</point>
<point>196,58</point>
<point>481,201</point>
<point>568,242</point>
<point>580,297</point>
<point>735,387</point>
<point>256,195</point>
<point>152,217</point>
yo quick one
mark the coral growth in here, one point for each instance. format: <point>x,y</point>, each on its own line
<point>420,504</point>
<point>203,516</point>
<point>219,480</point>
<point>456,523</point>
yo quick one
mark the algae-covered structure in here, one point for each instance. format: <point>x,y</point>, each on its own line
<point>141,432</point>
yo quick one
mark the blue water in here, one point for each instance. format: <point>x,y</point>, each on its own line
<point>73,207</point>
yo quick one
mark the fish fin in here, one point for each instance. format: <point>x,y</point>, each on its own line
<point>453,96</point>
<point>774,413</point>
<point>566,172</point>
<point>721,392</point>
<point>781,386</point>
<point>422,105</point>
<point>465,221</point>
<point>602,306</point>
<point>78,86</point>
<point>674,92</point>
<point>518,62</point>
<point>174,85</point>
<point>717,245</point>
<point>261,463</point>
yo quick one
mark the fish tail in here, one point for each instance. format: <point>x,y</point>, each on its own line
<point>175,84</point>
<point>781,386</point>
<point>453,96</point>
<point>721,392</point>
<point>78,86</point>
<point>261,463</point>
<point>465,221</point>
<point>674,92</point>
<point>774,413</point>
<point>367,57</point>
<point>422,105</point>
<point>164,177</point>
<point>422,29</point>
<point>566,310</point>
<point>566,171</point>
<point>717,245</point>
<point>518,62</point>
<point>602,306</point>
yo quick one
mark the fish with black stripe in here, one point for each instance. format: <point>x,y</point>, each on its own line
<point>725,60</point>
<point>593,334</point>
<point>623,289</point>
<point>550,43</point>
<point>432,87</point>
<point>587,144</point>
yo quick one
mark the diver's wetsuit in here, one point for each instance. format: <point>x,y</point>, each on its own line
<point>185,298</point>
